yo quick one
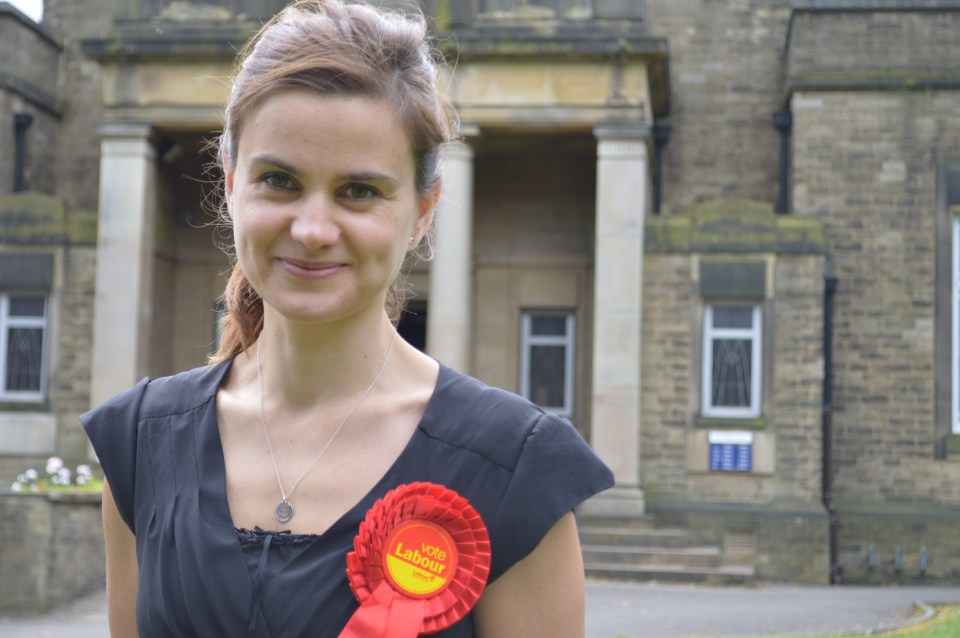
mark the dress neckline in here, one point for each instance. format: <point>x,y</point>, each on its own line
<point>212,426</point>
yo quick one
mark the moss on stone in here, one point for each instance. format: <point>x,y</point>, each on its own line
<point>734,225</point>
<point>716,423</point>
<point>887,79</point>
<point>37,218</point>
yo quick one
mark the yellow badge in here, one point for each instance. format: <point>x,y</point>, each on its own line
<point>421,558</point>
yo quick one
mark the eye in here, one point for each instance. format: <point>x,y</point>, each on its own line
<point>360,192</point>
<point>278,181</point>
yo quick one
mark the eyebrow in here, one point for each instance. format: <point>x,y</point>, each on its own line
<point>365,176</point>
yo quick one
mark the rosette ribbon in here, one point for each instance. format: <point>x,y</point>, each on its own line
<point>420,563</point>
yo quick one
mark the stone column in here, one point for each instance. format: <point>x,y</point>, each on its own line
<point>124,284</point>
<point>623,191</point>
<point>449,325</point>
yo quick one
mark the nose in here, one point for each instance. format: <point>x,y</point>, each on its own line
<point>315,224</point>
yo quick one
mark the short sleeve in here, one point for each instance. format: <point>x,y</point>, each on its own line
<point>555,472</point>
<point>112,429</point>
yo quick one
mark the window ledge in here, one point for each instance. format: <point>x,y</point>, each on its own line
<point>729,423</point>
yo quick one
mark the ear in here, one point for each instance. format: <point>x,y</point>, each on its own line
<point>427,206</point>
<point>227,182</point>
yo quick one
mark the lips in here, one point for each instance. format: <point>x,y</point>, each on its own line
<point>311,269</point>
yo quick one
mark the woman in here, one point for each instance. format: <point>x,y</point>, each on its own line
<point>236,490</point>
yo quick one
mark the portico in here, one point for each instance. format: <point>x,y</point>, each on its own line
<point>541,220</point>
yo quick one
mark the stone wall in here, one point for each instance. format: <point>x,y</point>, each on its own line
<point>51,550</point>
<point>78,155</point>
<point>866,165</point>
<point>781,544</point>
<point>786,461</point>
<point>889,546</point>
<point>42,224</point>
<point>875,111</point>
<point>726,70</point>
<point>876,47</point>
<point>29,61</point>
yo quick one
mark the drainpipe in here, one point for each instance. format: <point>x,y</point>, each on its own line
<point>829,289</point>
<point>661,135</point>
<point>21,122</point>
<point>783,121</point>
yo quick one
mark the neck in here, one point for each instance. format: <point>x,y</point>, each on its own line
<point>307,364</point>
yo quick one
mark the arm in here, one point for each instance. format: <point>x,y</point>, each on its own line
<point>122,570</point>
<point>543,595</point>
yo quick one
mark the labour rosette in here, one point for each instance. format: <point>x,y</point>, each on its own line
<point>420,563</point>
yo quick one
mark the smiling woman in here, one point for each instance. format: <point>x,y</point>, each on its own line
<point>237,494</point>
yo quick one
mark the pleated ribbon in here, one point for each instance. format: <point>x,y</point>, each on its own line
<point>420,563</point>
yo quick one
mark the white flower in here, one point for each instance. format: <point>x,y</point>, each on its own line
<point>82,480</point>
<point>54,463</point>
<point>31,474</point>
<point>16,487</point>
<point>22,478</point>
<point>84,471</point>
<point>64,475</point>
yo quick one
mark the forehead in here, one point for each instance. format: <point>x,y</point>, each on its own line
<point>304,123</point>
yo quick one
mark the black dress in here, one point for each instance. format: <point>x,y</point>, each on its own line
<point>159,446</point>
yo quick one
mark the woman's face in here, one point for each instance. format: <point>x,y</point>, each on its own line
<point>323,199</point>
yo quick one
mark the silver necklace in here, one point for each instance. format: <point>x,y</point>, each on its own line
<point>283,512</point>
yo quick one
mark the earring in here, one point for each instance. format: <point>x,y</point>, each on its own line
<point>412,240</point>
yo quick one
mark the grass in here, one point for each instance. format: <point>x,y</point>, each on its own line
<point>944,624</point>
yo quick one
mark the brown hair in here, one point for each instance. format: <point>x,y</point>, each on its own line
<point>336,49</point>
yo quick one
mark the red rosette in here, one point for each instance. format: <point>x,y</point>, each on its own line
<point>420,563</point>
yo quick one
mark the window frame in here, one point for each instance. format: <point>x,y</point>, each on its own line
<point>955,329</point>
<point>6,323</point>
<point>568,341</point>
<point>755,335</point>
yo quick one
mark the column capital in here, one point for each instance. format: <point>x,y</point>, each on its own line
<point>127,138</point>
<point>125,130</point>
<point>622,131</point>
<point>623,140</point>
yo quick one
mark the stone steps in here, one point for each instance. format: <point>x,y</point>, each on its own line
<point>634,549</point>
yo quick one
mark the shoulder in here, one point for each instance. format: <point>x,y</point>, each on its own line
<point>467,413</point>
<point>182,392</point>
<point>164,396</point>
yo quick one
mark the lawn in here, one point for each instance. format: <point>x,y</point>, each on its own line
<point>945,624</point>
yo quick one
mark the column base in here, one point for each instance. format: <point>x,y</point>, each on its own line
<point>617,502</point>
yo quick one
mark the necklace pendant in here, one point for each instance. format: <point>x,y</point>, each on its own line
<point>284,511</point>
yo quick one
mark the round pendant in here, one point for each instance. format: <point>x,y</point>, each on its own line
<point>284,511</point>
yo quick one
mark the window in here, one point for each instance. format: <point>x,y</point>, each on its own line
<point>731,361</point>
<point>23,327</point>
<point>546,361</point>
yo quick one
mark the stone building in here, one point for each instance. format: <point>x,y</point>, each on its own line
<point>720,237</point>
